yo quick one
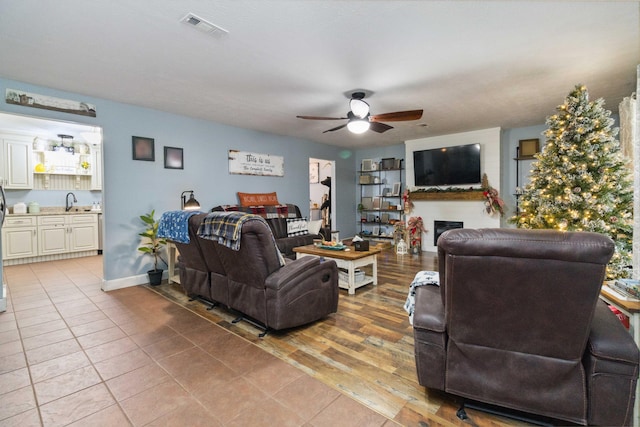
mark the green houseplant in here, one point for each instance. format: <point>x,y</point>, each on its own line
<point>153,246</point>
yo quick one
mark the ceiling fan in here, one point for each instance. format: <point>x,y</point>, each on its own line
<point>360,119</point>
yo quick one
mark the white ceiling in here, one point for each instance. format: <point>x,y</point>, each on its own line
<point>468,64</point>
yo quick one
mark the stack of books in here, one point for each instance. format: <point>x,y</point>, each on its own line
<point>627,287</point>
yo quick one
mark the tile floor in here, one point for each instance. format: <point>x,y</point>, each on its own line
<point>71,354</point>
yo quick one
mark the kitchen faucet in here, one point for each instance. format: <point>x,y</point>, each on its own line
<point>68,205</point>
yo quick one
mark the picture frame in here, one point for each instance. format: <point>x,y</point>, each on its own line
<point>143,148</point>
<point>367,165</point>
<point>314,173</point>
<point>366,202</point>
<point>528,147</point>
<point>397,187</point>
<point>173,158</point>
<point>388,163</point>
<point>375,203</point>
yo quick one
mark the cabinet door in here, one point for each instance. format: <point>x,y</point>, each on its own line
<point>53,240</point>
<point>19,243</point>
<point>84,237</point>
<point>18,164</point>
<point>96,165</point>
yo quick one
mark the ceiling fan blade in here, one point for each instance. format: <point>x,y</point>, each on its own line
<point>335,128</point>
<point>379,127</point>
<point>398,116</point>
<point>321,118</point>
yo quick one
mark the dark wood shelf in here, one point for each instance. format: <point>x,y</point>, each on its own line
<point>447,195</point>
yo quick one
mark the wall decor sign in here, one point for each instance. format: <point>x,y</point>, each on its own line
<point>173,158</point>
<point>19,97</point>
<point>143,148</point>
<point>246,163</point>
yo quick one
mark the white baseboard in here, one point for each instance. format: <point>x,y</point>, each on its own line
<point>126,282</point>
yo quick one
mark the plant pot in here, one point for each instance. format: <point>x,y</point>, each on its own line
<point>155,277</point>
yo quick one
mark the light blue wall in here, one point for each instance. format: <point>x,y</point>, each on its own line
<point>132,188</point>
<point>509,142</point>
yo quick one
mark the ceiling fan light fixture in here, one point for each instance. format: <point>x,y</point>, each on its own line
<point>359,108</point>
<point>358,126</point>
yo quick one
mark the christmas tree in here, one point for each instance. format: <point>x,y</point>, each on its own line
<point>579,181</point>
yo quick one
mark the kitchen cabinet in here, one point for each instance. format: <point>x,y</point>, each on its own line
<point>83,232</point>
<point>52,235</point>
<point>16,165</point>
<point>19,237</point>
<point>96,165</point>
<point>67,233</point>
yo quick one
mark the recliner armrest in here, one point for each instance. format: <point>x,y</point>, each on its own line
<point>611,366</point>
<point>291,271</point>
<point>429,310</point>
<point>609,339</point>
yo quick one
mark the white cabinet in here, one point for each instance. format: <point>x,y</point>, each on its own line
<point>19,237</point>
<point>52,234</point>
<point>96,165</point>
<point>16,165</point>
<point>67,233</point>
<point>83,232</point>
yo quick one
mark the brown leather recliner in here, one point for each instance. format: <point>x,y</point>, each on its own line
<point>517,323</point>
<point>201,274</point>
<point>253,282</point>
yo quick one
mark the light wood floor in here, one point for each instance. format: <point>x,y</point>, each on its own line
<point>365,350</point>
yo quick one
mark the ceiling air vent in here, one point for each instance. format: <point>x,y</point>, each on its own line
<point>203,25</point>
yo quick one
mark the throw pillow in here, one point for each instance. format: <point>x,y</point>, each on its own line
<point>258,199</point>
<point>315,226</point>
<point>297,227</point>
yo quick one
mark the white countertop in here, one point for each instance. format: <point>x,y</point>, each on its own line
<point>55,210</point>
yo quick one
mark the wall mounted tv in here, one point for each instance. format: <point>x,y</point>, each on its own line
<point>447,166</point>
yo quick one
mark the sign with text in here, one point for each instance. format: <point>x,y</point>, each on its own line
<point>245,163</point>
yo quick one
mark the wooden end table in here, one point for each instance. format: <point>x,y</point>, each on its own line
<point>348,259</point>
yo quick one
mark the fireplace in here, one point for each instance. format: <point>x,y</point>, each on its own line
<point>440,227</point>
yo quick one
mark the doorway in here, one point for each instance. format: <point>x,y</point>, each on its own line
<point>63,164</point>
<point>322,192</point>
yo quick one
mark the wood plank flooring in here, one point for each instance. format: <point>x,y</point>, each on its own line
<point>365,350</point>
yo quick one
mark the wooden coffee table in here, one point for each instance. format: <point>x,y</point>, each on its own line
<point>348,259</point>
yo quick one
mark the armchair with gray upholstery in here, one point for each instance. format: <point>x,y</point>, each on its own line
<point>517,323</point>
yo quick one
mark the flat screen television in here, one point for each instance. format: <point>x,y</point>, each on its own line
<point>447,166</point>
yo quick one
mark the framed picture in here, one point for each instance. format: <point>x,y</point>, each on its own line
<point>143,148</point>
<point>375,203</point>
<point>367,165</point>
<point>388,163</point>
<point>173,158</point>
<point>396,188</point>
<point>366,202</point>
<point>314,173</point>
<point>528,147</point>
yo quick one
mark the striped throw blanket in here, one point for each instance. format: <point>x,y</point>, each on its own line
<point>423,278</point>
<point>174,225</point>
<point>226,228</point>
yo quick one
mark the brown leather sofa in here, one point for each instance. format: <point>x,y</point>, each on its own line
<point>278,225</point>
<point>517,322</point>
<point>252,281</point>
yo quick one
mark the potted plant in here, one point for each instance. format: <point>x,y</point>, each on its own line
<point>153,246</point>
